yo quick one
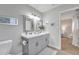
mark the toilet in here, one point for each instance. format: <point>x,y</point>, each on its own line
<point>5,47</point>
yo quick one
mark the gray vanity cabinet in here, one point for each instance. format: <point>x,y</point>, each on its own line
<point>36,44</point>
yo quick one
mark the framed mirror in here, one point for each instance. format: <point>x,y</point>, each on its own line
<point>31,25</point>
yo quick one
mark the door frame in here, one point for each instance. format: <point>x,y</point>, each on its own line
<point>60,20</point>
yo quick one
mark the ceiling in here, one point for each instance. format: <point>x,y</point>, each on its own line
<point>44,7</point>
<point>67,15</point>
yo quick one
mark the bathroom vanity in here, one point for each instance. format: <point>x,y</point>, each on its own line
<point>34,36</point>
<point>34,43</point>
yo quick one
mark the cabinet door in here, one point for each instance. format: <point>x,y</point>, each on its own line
<point>39,44</point>
<point>47,39</point>
<point>44,41</point>
<point>33,43</point>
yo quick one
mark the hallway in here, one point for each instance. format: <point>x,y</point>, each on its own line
<point>66,45</point>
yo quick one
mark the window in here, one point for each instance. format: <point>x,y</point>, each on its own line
<point>8,20</point>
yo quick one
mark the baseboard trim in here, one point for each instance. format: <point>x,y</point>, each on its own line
<point>53,47</point>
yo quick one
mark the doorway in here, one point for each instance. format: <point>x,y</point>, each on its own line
<point>66,20</point>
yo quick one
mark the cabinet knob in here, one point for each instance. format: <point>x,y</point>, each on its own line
<point>46,39</point>
<point>37,44</point>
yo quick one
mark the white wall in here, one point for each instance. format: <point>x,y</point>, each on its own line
<point>14,32</point>
<point>53,17</point>
<point>54,30</point>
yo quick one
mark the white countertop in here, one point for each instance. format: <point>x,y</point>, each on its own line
<point>33,35</point>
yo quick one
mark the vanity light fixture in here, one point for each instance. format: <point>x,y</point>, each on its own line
<point>31,16</point>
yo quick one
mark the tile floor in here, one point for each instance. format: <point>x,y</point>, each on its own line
<point>48,51</point>
<point>53,51</point>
